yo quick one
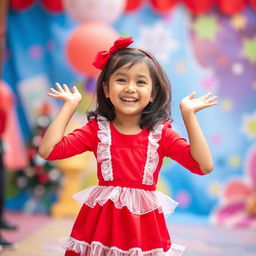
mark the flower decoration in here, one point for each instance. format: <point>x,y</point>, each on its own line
<point>237,207</point>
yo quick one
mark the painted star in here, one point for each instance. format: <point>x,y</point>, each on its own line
<point>154,36</point>
<point>206,27</point>
<point>249,49</point>
<point>249,125</point>
<point>238,21</point>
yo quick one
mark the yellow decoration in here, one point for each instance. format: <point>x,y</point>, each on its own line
<point>234,161</point>
<point>163,186</point>
<point>214,189</point>
<point>238,21</point>
<point>227,105</point>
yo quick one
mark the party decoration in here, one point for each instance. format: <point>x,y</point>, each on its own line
<point>18,5</point>
<point>249,125</point>
<point>249,49</point>
<point>163,6</point>
<point>206,27</point>
<point>40,178</point>
<point>133,5</point>
<point>94,10</point>
<point>154,35</point>
<point>253,4</point>
<point>84,44</point>
<point>237,207</point>
<point>52,5</point>
<point>198,6</point>
<point>231,7</point>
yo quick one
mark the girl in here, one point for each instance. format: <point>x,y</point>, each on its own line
<point>129,133</point>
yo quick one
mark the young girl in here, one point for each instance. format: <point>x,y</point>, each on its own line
<point>129,133</point>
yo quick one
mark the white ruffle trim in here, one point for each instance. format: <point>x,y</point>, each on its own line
<point>152,155</point>
<point>98,249</point>
<point>103,149</point>
<point>138,201</point>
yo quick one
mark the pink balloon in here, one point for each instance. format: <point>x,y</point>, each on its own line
<point>94,10</point>
<point>85,42</point>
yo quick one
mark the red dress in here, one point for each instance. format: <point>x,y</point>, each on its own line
<point>124,214</point>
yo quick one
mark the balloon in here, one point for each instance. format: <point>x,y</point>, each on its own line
<point>94,10</point>
<point>85,42</point>
<point>53,5</point>
<point>163,6</point>
<point>231,7</point>
<point>198,6</point>
<point>133,5</point>
<point>20,5</point>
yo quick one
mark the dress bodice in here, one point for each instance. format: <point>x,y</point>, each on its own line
<point>128,160</point>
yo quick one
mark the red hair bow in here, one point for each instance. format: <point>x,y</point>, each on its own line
<point>103,56</point>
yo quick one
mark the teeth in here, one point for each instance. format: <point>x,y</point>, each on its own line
<point>129,100</point>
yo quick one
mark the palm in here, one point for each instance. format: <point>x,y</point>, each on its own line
<point>64,94</point>
<point>190,103</point>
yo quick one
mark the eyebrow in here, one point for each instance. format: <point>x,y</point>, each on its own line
<point>124,74</point>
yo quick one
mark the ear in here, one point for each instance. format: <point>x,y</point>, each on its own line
<point>152,97</point>
<point>105,89</point>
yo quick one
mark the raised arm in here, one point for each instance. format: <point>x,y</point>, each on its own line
<point>199,147</point>
<point>56,130</point>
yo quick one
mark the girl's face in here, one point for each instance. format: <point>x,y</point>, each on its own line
<point>130,89</point>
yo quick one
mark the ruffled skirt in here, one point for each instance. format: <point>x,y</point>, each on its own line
<point>106,225</point>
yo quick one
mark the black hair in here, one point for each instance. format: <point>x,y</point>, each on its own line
<point>155,112</point>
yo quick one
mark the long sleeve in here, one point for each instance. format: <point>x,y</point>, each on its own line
<point>79,141</point>
<point>178,149</point>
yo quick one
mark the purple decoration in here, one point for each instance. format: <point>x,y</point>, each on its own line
<point>90,85</point>
<point>223,52</point>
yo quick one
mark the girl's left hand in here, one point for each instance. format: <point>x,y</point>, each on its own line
<point>192,104</point>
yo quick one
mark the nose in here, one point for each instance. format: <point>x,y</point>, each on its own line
<point>130,87</point>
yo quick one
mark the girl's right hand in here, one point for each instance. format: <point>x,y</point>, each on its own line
<point>64,94</point>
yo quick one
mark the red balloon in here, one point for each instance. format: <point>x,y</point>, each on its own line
<point>53,5</point>
<point>133,5</point>
<point>85,42</point>
<point>253,4</point>
<point>198,6</point>
<point>19,5</point>
<point>163,6</point>
<point>231,7</point>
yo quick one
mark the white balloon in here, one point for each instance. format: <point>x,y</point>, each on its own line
<point>106,11</point>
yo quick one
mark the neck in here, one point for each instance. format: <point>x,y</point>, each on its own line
<point>127,124</point>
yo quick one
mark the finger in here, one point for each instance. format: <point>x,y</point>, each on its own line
<point>52,95</point>
<point>54,91</point>
<point>191,95</point>
<point>212,99</point>
<point>60,89</point>
<point>74,89</point>
<point>206,96</point>
<point>65,87</point>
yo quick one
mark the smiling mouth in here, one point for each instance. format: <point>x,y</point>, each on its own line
<point>129,99</point>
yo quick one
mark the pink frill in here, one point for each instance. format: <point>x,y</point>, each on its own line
<point>138,201</point>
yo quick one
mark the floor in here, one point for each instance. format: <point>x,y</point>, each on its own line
<point>38,236</point>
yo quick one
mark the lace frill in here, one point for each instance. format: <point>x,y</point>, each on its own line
<point>97,248</point>
<point>152,155</point>
<point>138,201</point>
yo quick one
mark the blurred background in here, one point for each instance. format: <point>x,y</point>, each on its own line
<point>203,46</point>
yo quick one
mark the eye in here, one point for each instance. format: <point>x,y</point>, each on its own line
<point>141,82</point>
<point>121,80</point>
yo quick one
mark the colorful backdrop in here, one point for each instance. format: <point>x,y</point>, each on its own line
<point>212,51</point>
